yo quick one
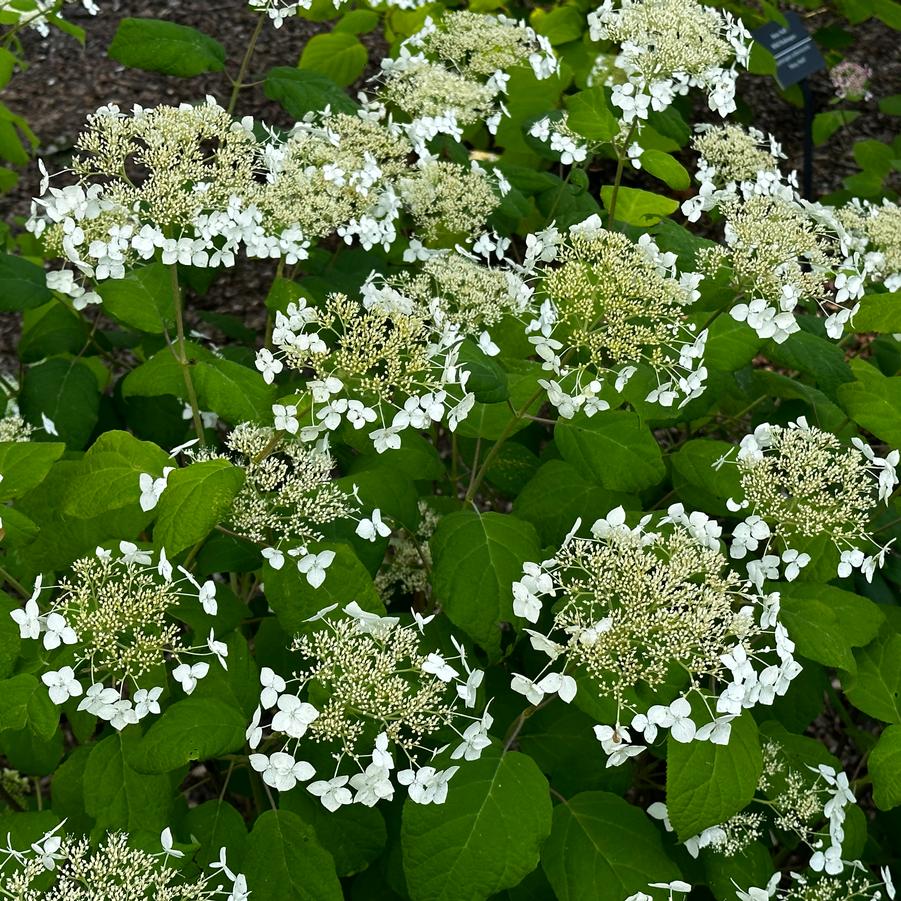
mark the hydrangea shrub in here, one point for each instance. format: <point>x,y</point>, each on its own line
<point>532,536</point>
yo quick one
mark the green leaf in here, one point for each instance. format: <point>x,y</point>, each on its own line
<point>876,686</point>
<point>826,622</point>
<point>142,300</point>
<point>235,392</point>
<point>24,702</point>
<point>559,25</point>
<point>294,600</point>
<point>192,729</point>
<point>119,797</point>
<point>707,783</point>
<point>108,475</point>
<point>591,115</point>
<point>49,330</point>
<point>67,790</point>
<point>484,838</point>
<point>558,495</point>
<point>874,402</point>
<point>156,45</point>
<point>599,840</point>
<point>216,824</point>
<point>487,380</point>
<point>492,420</point>
<point>874,156</point>
<point>10,641</point>
<point>196,499</point>
<point>476,557</point>
<point>752,866</point>
<point>614,449</point>
<point>25,464</point>
<point>667,168</point>
<point>355,835</point>
<point>301,91</point>
<point>285,862</point>
<point>826,124</point>
<point>637,207</point>
<point>23,285</point>
<point>819,357</point>
<point>338,55</point>
<point>730,344</point>
<point>885,769</point>
<point>66,391</point>
<point>358,21</point>
<point>879,313</point>
<point>696,480</point>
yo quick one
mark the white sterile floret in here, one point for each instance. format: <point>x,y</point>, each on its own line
<point>278,11</point>
<point>632,603</point>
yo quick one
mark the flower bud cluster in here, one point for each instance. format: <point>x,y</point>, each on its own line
<point>369,692</point>
<point>736,162</point>
<point>799,483</point>
<point>610,306</point>
<point>384,363</point>
<point>855,884</point>
<point>112,624</point>
<point>190,185</point>
<point>409,559</point>
<point>111,870</point>
<point>453,73</point>
<point>288,494</point>
<point>795,800</point>
<point>633,605</point>
<point>668,47</point>
<point>460,287</point>
<point>873,232</point>
<point>783,254</point>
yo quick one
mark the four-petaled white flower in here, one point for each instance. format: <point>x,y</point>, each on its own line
<point>286,418</point>
<point>152,489</point>
<point>436,665</point>
<point>166,844</point>
<point>293,716</point>
<point>281,771</point>
<point>57,632</point>
<point>273,685</point>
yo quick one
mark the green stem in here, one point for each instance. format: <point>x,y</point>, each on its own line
<point>238,83</point>
<point>180,353</point>
<point>620,165</point>
<point>20,588</point>
<point>520,721</point>
<point>477,479</point>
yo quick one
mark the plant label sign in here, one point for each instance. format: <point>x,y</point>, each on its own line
<point>796,55</point>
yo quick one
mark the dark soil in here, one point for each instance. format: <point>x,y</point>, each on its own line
<point>64,82</point>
